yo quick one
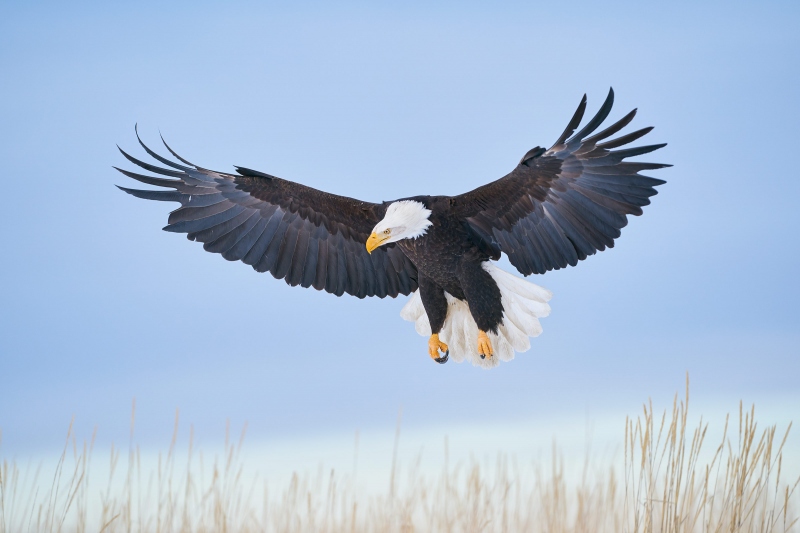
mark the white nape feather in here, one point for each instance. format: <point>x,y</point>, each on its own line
<point>406,219</point>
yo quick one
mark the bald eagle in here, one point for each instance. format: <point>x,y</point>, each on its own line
<point>555,208</point>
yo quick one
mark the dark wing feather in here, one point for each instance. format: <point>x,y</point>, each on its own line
<point>561,205</point>
<point>307,237</point>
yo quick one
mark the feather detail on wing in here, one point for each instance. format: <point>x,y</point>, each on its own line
<point>302,235</point>
<point>561,205</point>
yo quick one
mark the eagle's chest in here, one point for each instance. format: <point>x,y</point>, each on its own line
<point>439,253</point>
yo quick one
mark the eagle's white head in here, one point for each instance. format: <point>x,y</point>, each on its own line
<point>406,219</point>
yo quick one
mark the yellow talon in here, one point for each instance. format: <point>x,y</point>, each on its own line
<point>435,346</point>
<point>484,345</point>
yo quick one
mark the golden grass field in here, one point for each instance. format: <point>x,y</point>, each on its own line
<point>669,480</point>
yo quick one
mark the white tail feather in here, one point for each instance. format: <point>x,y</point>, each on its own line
<point>523,305</point>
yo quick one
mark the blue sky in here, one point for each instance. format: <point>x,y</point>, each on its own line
<point>379,101</point>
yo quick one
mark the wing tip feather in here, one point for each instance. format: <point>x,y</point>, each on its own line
<point>174,153</point>
<point>573,123</point>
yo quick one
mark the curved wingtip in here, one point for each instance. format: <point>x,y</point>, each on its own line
<point>573,123</point>
<point>156,156</point>
<point>182,160</point>
<point>160,196</point>
<point>598,119</point>
<point>609,99</point>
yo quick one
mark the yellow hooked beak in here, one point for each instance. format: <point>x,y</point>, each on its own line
<point>374,241</point>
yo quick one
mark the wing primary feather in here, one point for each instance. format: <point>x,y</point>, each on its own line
<point>148,166</point>
<point>573,123</point>
<point>161,196</point>
<point>639,150</point>
<point>152,180</point>
<point>598,119</point>
<point>611,130</point>
<point>155,155</point>
<point>620,185</point>
<point>633,167</point>
<point>175,154</point>
<point>625,139</point>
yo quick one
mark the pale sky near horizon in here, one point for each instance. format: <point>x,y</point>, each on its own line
<point>378,101</point>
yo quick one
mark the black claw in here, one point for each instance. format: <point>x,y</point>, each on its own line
<point>443,360</point>
<point>483,356</point>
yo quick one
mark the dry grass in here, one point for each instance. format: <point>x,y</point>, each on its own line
<point>667,488</point>
<point>670,482</point>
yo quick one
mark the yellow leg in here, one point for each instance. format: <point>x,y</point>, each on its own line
<point>484,345</point>
<point>435,346</point>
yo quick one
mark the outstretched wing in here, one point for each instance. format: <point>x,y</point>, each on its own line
<point>559,206</point>
<point>305,236</point>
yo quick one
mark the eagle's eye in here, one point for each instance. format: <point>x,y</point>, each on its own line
<point>387,231</point>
